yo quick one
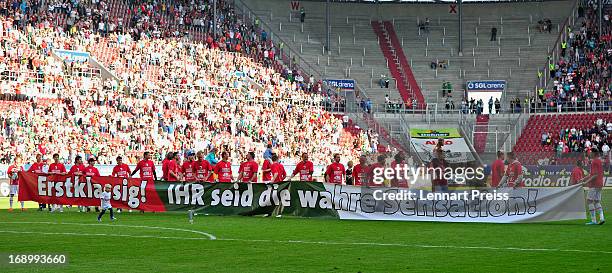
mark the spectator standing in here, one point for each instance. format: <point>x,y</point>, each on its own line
<point>302,15</point>
<point>349,173</point>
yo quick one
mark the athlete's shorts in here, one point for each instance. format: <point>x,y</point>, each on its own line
<point>14,189</point>
<point>594,194</point>
<point>441,188</point>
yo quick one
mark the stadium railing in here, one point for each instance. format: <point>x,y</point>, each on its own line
<point>569,107</point>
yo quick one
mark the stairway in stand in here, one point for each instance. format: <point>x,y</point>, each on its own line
<point>383,133</point>
<point>480,133</point>
<point>398,65</point>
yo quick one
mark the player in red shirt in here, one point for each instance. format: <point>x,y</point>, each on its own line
<point>168,158</point>
<point>514,172</point>
<point>437,168</point>
<point>146,168</point>
<point>305,168</point>
<point>121,170</point>
<point>497,170</point>
<point>203,169</point>
<point>399,160</point>
<point>173,169</point>
<point>266,171</point>
<point>13,172</point>
<point>188,168</point>
<point>78,169</point>
<point>595,184</point>
<point>223,169</point>
<point>373,180</point>
<point>91,170</point>
<point>37,167</point>
<point>277,170</point>
<point>360,171</point>
<point>335,172</point>
<point>57,167</point>
<point>248,169</point>
<point>577,174</point>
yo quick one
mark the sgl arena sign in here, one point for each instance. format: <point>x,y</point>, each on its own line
<point>482,86</point>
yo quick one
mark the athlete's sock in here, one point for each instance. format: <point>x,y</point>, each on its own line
<point>11,202</point>
<point>101,214</point>
<point>22,204</point>
<point>592,210</point>
<point>600,210</point>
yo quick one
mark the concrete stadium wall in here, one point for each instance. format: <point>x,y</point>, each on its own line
<point>389,11</point>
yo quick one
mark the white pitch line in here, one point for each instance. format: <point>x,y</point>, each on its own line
<point>421,246</point>
<point>103,235</point>
<point>210,236</point>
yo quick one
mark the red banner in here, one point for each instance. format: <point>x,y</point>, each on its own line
<point>129,193</point>
<point>295,5</point>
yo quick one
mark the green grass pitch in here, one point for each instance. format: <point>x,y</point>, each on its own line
<point>156,242</point>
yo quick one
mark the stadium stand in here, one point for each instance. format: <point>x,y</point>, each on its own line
<point>567,135</point>
<point>581,84</point>
<point>167,94</point>
<point>173,85</point>
<point>580,79</point>
<point>482,58</point>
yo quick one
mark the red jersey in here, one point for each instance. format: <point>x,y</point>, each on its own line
<point>371,173</point>
<point>266,175</point>
<point>172,166</point>
<point>146,168</point>
<point>189,170</point>
<point>402,183</point>
<point>497,172</point>
<point>36,168</point>
<point>278,170</point>
<point>202,169</point>
<point>223,169</point>
<point>335,171</point>
<point>515,169</point>
<point>577,175</point>
<point>597,170</point>
<point>437,171</point>
<point>12,171</point>
<point>122,171</point>
<point>305,169</point>
<point>359,174</point>
<point>249,171</point>
<point>165,169</point>
<point>91,171</point>
<point>77,170</point>
<point>57,168</point>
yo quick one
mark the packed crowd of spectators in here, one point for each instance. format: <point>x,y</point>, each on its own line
<point>170,94</point>
<point>582,140</point>
<point>582,76</point>
<point>573,140</point>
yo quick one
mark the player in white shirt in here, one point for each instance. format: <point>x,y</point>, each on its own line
<point>105,203</point>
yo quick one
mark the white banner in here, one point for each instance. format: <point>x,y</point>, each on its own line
<point>455,149</point>
<point>521,205</point>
